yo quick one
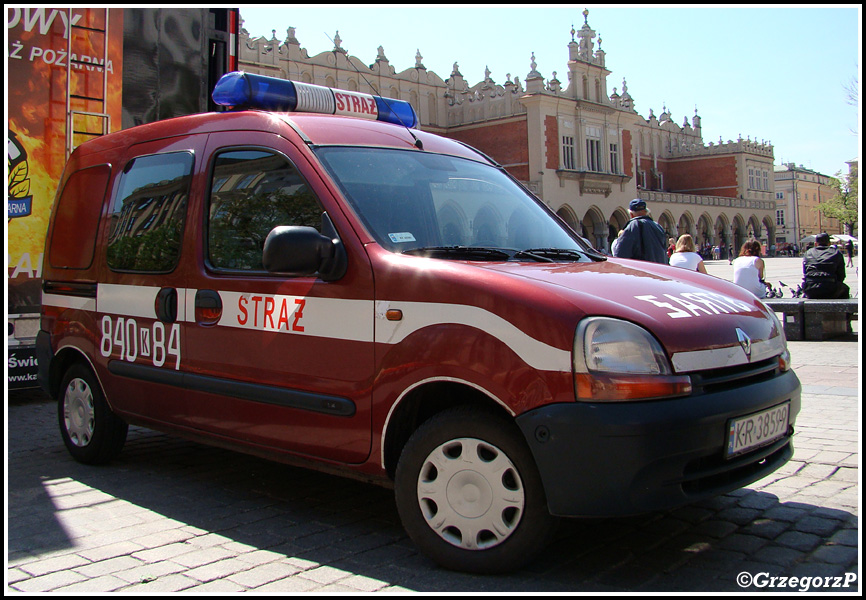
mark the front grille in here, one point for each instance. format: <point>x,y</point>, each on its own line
<point>728,378</point>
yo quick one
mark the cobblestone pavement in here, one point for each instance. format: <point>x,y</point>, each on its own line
<point>172,515</point>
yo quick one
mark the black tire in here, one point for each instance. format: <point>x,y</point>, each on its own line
<point>493,480</point>
<point>92,433</point>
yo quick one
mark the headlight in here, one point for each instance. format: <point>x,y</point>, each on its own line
<point>619,361</point>
<point>785,356</point>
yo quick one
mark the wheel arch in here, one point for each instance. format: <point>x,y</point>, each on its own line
<point>62,361</point>
<point>423,400</point>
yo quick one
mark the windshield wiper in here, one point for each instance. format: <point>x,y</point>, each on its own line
<point>549,254</point>
<point>459,252</point>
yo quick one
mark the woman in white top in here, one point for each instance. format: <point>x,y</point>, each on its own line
<point>749,269</point>
<point>685,257</point>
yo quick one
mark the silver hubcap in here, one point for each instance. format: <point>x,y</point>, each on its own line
<point>78,414</point>
<point>470,494</point>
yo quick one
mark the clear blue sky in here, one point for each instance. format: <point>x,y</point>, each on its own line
<point>775,73</point>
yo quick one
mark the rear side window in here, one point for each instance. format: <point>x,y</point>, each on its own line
<point>76,218</point>
<point>148,214</point>
<point>253,191</point>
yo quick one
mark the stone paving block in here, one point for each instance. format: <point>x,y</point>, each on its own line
<point>325,574</point>
<point>817,525</point>
<point>844,555</point>
<point>169,583</point>
<point>109,551</point>
<point>336,589</point>
<point>817,472</point>
<point>50,582</point>
<point>361,583</point>
<point>93,585</point>
<point>109,566</point>
<point>208,540</point>
<point>738,542</point>
<point>845,537</point>
<point>51,565</point>
<point>716,528</point>
<point>798,540</point>
<point>777,555</point>
<point>759,501</point>
<point>766,528</point>
<point>162,552</point>
<point>220,586</point>
<point>150,571</point>
<point>258,557</point>
<point>739,515</point>
<point>831,513</point>
<point>15,574</point>
<point>256,577</point>
<point>289,585</point>
<point>163,538</point>
<point>199,557</point>
<point>220,569</point>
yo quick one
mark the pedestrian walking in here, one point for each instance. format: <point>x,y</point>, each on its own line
<point>849,249</point>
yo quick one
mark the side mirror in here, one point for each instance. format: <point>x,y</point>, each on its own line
<point>303,251</point>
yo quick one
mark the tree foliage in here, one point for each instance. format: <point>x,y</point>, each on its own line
<point>843,204</point>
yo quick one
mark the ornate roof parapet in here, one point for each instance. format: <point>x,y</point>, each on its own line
<point>554,85</point>
<point>626,101</point>
<point>583,49</point>
<point>484,101</point>
<point>682,147</point>
<point>534,79</point>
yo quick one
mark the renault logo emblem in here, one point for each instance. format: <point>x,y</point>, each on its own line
<point>745,342</point>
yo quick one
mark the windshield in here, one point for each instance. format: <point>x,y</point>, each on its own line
<point>418,203</point>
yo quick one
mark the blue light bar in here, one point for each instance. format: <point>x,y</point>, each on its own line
<point>247,90</point>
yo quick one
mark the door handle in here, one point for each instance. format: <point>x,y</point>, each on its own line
<point>208,307</point>
<point>165,305</point>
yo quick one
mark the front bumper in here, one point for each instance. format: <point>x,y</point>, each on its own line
<point>619,459</point>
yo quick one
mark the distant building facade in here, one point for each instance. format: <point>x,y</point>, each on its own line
<point>583,150</point>
<point>799,191</point>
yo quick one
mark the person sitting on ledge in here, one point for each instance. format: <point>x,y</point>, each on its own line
<point>824,271</point>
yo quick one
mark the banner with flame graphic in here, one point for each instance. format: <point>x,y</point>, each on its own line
<point>43,45</point>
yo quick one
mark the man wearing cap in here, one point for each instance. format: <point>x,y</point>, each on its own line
<point>642,238</point>
<point>824,270</point>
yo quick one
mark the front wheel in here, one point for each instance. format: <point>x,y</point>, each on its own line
<point>469,495</point>
<point>92,433</point>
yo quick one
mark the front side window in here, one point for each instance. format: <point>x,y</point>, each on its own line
<point>253,191</point>
<point>148,213</point>
<point>410,201</point>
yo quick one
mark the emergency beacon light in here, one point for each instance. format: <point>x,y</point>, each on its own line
<point>242,90</point>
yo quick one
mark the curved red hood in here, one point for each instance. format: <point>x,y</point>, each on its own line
<point>687,311</point>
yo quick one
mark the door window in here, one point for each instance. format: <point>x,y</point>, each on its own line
<point>253,191</point>
<point>148,213</point>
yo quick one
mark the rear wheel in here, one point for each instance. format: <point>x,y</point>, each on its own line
<point>469,494</point>
<point>92,433</point>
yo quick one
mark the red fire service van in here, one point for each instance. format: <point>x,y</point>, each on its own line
<point>310,278</point>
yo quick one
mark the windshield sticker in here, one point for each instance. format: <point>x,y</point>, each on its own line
<point>698,304</point>
<point>401,238</point>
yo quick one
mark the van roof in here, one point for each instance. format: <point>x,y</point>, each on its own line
<point>313,129</point>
